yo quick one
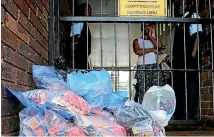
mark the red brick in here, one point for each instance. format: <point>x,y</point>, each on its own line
<point>206,104</point>
<point>45,12</point>
<point>26,51</point>
<point>206,97</point>
<point>205,61</point>
<point>16,133</point>
<point>13,86</point>
<point>205,90</point>
<point>8,72</point>
<point>2,15</point>
<point>204,75</point>
<point>23,6</point>
<point>209,74</point>
<point>30,67</point>
<point>45,34</point>
<point>23,20</point>
<point>35,33</point>
<point>41,18</point>
<point>39,4</point>
<point>10,124</point>
<point>9,107</point>
<point>209,112</point>
<point>14,58</point>
<point>32,5</point>
<point>24,78</point>
<point>16,28</point>
<point>35,21</point>
<point>36,46</point>
<point>207,83</point>
<point>9,38</point>
<point>46,3</point>
<point>11,7</point>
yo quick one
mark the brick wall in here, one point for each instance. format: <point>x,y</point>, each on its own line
<point>206,77</point>
<point>24,25</point>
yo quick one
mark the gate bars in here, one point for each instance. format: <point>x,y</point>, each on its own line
<point>54,22</point>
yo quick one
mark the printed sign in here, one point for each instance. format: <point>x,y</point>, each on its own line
<point>157,8</point>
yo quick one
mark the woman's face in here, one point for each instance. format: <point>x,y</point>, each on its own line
<point>147,28</point>
<point>88,11</point>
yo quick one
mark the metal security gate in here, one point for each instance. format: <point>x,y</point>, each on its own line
<point>159,24</point>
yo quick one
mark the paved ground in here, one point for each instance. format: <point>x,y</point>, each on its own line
<point>190,131</point>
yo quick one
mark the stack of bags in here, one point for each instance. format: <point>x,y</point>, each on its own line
<point>73,108</point>
<point>85,105</point>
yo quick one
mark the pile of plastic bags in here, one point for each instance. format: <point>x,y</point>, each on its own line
<point>85,105</point>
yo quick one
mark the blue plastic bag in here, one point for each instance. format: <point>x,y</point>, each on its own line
<point>92,86</point>
<point>46,77</point>
<point>113,101</point>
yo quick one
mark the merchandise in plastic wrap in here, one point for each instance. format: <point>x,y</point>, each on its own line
<point>32,122</point>
<point>93,86</point>
<point>58,126</point>
<point>160,102</point>
<point>101,126</point>
<point>36,121</point>
<point>46,77</point>
<point>64,102</point>
<point>137,120</point>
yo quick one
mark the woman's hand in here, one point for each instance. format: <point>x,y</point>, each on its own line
<point>154,50</point>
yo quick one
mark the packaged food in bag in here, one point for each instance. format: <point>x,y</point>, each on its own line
<point>160,102</point>
<point>32,122</point>
<point>137,120</point>
<point>64,102</point>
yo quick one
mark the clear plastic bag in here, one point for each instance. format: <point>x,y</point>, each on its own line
<point>93,86</point>
<point>137,120</point>
<point>160,102</point>
<point>38,121</point>
<point>58,126</point>
<point>64,102</point>
<point>32,122</point>
<point>95,125</point>
<point>46,77</point>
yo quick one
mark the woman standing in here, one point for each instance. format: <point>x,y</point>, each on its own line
<point>146,49</point>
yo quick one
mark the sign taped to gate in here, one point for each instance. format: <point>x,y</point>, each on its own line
<point>157,8</point>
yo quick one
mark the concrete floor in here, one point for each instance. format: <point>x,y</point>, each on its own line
<point>190,131</point>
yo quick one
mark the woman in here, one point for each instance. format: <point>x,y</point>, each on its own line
<point>146,48</point>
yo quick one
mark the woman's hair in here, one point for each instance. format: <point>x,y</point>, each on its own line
<point>81,9</point>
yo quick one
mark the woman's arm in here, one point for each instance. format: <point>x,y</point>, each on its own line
<point>154,42</point>
<point>195,48</point>
<point>139,51</point>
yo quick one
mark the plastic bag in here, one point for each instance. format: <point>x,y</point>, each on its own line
<point>36,121</point>
<point>64,102</point>
<point>58,126</point>
<point>93,86</point>
<point>46,77</point>
<point>32,122</point>
<point>137,120</point>
<point>160,102</point>
<point>114,101</point>
<point>101,126</point>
